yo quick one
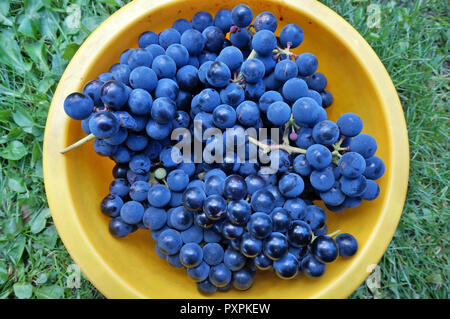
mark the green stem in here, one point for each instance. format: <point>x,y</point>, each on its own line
<point>281,51</point>
<point>250,31</point>
<point>266,148</point>
<point>336,153</point>
<point>334,233</point>
<point>78,144</point>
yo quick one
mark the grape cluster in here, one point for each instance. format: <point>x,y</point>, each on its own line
<point>223,221</point>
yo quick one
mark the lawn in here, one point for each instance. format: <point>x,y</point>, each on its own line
<point>38,38</point>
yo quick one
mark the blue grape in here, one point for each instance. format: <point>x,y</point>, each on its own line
<point>78,106</point>
<point>291,185</point>
<point>316,96</point>
<point>252,70</point>
<point>215,206</point>
<point>312,267</point>
<point>136,142</point>
<point>140,57</point>
<point>154,218</point>
<point>333,196</point>
<point>352,164</point>
<point>139,191</point>
<point>180,218</point>
<point>364,144</point>
<point>223,21</point>
<point>268,98</point>
<point>164,66</point>
<point>147,38</point>
<point>276,246</point>
<point>286,267</point>
<point>372,190</point>
<point>281,219</point>
<point>92,90</point>
<point>232,94</point>
<point>113,94</point>
<point>140,102</point>
<point>317,82</point>
<point>163,110</point>
<point>325,133</point>
<point>254,91</point>
<point>315,217</point>
<point>296,207</point>
<point>177,180</point>
<point>158,195</point>
<point>353,187</point>
<point>263,201</point>
<point>143,78</point>
<point>193,41</point>
<point>285,70</point>
<point>374,168</point>
<point>232,57</point>
<point>214,38</point>
<point>121,73</point>
<point>111,205</point>
<point>181,25</point>
<point>294,88</point>
<point>291,35</point>
<point>307,112</point>
<point>265,21</point>
<point>224,116</point>
<point>158,131</point>
<point>318,156</point>
<point>179,54</point>
<point>268,61</point>
<point>132,212</point>
<point>350,124</point>
<point>260,225</point>
<point>307,64</point>
<point>140,164</point>
<point>264,42</point>
<point>201,20</point>
<point>118,228</point>
<point>327,98</point>
<point>325,249</point>
<point>218,74</point>
<point>169,36</point>
<point>155,50</point>
<point>240,38</point>
<point>247,113</point>
<point>103,124</point>
<point>242,15</point>
<point>347,245</point>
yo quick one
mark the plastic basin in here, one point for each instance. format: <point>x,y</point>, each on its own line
<point>129,268</point>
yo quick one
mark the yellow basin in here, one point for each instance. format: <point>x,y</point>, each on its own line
<point>129,268</point>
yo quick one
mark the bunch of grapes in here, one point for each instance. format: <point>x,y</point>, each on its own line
<point>221,221</point>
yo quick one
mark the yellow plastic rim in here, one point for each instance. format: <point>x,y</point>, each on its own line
<point>82,239</point>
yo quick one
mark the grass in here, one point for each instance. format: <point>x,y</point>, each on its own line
<point>39,38</point>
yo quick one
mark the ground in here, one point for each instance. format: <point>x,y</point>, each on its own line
<point>38,38</point>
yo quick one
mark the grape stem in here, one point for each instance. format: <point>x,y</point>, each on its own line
<point>280,51</point>
<point>337,145</point>
<point>336,153</point>
<point>78,143</point>
<point>334,233</point>
<point>266,148</point>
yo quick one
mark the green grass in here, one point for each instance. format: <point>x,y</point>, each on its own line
<point>38,38</point>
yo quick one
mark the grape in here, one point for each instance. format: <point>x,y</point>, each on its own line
<point>223,221</point>
<point>291,34</point>
<point>307,64</point>
<point>264,42</point>
<point>242,15</point>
